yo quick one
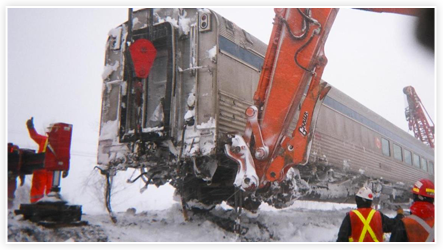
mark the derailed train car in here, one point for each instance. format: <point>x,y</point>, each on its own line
<point>173,124</point>
<point>351,142</point>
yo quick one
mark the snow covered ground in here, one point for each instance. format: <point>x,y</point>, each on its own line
<point>302,222</point>
<point>158,218</point>
<point>296,224</point>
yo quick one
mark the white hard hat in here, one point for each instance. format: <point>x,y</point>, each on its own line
<point>365,193</point>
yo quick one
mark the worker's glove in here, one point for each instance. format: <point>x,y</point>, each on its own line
<point>22,180</point>
<point>30,123</point>
<point>65,174</point>
<point>400,210</point>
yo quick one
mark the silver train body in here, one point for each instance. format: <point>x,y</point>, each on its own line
<point>350,141</point>
<point>174,126</point>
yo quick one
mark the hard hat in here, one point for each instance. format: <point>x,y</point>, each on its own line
<point>365,193</point>
<point>424,187</point>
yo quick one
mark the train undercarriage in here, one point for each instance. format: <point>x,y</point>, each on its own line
<point>204,182</point>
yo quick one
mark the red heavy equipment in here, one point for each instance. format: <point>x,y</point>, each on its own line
<point>52,210</point>
<point>290,85</point>
<point>417,120</point>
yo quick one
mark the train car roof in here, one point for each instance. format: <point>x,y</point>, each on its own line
<point>238,35</point>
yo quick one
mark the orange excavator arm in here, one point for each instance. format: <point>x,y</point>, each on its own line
<point>294,61</point>
<point>290,84</point>
<point>298,41</point>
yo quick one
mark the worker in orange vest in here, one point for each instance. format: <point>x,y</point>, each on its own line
<point>419,226</point>
<point>41,179</point>
<point>365,224</point>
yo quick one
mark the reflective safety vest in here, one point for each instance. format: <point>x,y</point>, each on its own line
<point>419,230</point>
<point>366,225</point>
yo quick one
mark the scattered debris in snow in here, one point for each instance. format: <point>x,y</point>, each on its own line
<point>303,222</point>
<point>20,230</point>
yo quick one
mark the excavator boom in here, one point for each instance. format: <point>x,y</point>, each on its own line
<point>290,86</point>
<point>294,62</point>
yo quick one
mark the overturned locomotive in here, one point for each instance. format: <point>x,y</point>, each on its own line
<point>176,120</point>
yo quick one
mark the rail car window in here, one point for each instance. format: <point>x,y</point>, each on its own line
<point>146,105</point>
<point>347,111</point>
<point>431,168</point>
<point>408,157</point>
<point>156,90</point>
<point>385,147</point>
<point>416,160</point>
<point>424,164</point>
<point>240,54</point>
<point>397,152</point>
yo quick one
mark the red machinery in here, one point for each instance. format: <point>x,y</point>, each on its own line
<point>417,120</point>
<point>52,210</point>
<point>59,139</point>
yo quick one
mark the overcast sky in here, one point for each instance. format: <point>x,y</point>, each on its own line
<point>55,60</point>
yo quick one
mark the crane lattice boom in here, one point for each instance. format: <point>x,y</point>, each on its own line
<point>417,121</point>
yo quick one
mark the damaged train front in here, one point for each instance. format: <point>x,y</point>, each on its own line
<point>149,101</point>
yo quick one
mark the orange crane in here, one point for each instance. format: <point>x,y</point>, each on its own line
<point>417,120</point>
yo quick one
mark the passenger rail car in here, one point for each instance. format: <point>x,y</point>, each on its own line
<point>173,124</point>
<point>351,141</point>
